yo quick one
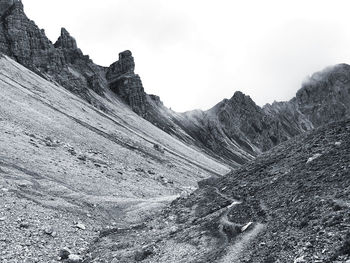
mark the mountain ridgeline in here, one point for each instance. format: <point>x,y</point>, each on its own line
<point>233,131</point>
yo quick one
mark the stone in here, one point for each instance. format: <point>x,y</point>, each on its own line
<point>144,253</point>
<point>314,157</point>
<point>24,225</point>
<point>80,226</point>
<point>299,260</point>
<point>246,227</point>
<point>64,253</point>
<point>48,230</point>
<point>72,258</point>
<point>158,147</point>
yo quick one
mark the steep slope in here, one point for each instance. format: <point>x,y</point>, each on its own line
<point>65,161</point>
<point>290,204</point>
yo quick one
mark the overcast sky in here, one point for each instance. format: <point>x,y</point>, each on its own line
<point>194,53</point>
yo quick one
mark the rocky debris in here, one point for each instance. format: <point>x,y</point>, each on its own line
<point>299,260</point>
<point>246,227</point>
<point>24,225</point>
<point>303,207</point>
<point>48,230</point>
<point>314,157</point>
<point>158,148</point>
<point>64,253</point>
<point>80,226</point>
<point>82,157</point>
<point>72,258</point>
<point>144,253</point>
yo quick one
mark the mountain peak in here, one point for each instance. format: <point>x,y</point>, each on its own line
<point>124,65</point>
<point>66,40</point>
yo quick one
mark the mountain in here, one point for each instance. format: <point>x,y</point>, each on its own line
<point>237,130</point>
<point>90,162</point>
<point>65,162</point>
<point>234,131</point>
<point>290,204</point>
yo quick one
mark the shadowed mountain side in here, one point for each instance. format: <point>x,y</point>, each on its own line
<point>290,204</point>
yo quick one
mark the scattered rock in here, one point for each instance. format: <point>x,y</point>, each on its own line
<point>80,226</point>
<point>24,225</point>
<point>72,151</point>
<point>82,157</point>
<point>317,155</point>
<point>173,230</point>
<point>64,253</point>
<point>144,253</point>
<point>158,148</point>
<point>48,230</point>
<point>72,258</point>
<point>299,260</point>
<point>244,228</point>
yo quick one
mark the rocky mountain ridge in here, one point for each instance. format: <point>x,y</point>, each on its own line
<point>233,131</point>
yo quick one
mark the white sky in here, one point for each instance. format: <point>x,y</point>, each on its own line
<point>194,53</point>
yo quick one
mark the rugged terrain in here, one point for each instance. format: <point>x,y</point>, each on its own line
<point>65,162</point>
<point>90,162</point>
<point>290,204</point>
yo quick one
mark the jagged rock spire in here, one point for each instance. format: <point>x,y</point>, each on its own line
<point>66,40</point>
<point>125,64</point>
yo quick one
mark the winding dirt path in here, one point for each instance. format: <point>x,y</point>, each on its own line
<point>237,249</point>
<point>245,234</point>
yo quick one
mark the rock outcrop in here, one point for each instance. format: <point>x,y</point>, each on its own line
<point>21,39</point>
<point>326,95</point>
<point>126,84</point>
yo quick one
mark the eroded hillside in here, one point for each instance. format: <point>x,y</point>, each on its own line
<point>290,204</point>
<point>63,161</point>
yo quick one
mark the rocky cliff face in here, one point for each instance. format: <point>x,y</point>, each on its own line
<point>63,62</point>
<point>326,95</point>
<point>126,84</point>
